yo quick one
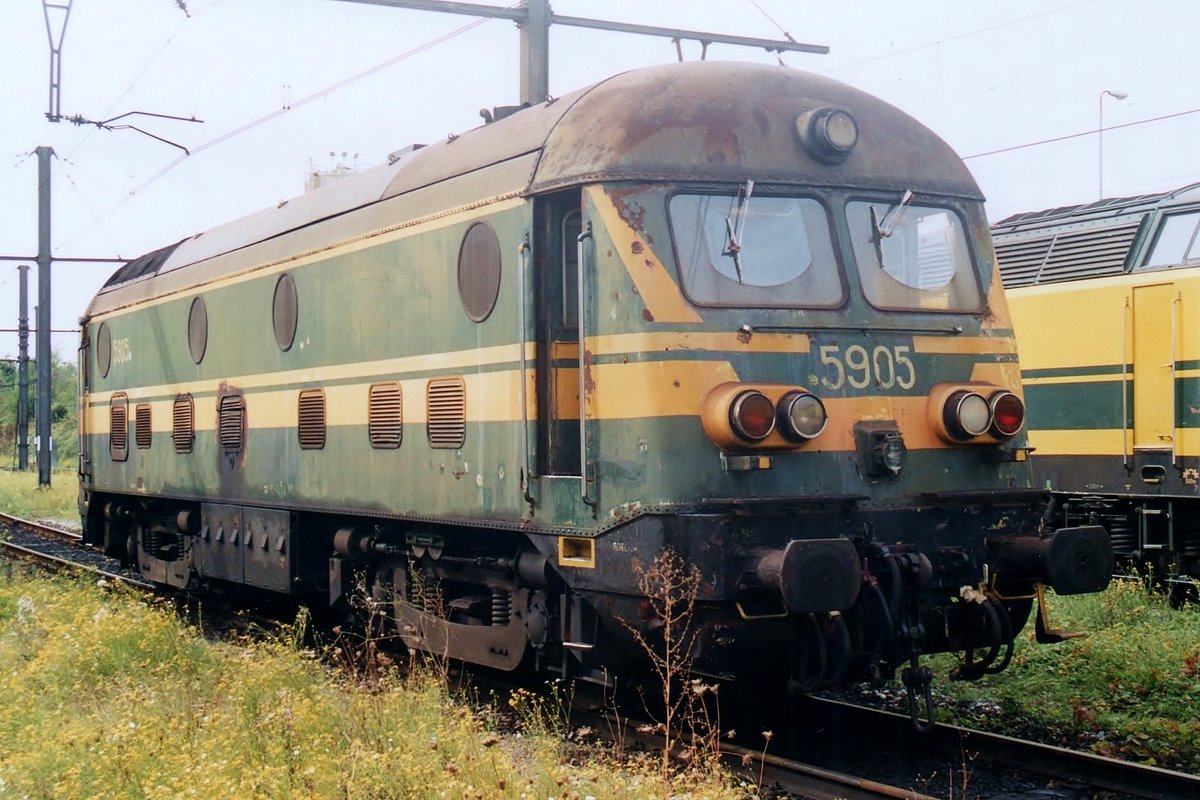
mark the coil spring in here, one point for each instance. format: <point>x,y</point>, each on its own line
<point>1191,544</point>
<point>160,544</point>
<point>1121,533</point>
<point>501,606</point>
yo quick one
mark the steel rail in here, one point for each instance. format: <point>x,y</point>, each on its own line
<point>795,777</point>
<point>49,532</point>
<point>1127,778</point>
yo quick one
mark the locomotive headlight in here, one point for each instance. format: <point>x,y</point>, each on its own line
<point>752,416</point>
<point>1008,413</point>
<point>890,453</point>
<point>827,134</point>
<point>801,415</point>
<point>966,415</point>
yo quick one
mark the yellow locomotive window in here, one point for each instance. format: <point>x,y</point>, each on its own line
<point>1176,242</point>
<point>912,257</point>
<point>750,250</point>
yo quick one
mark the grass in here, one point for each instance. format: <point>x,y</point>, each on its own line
<point>21,496</point>
<point>1128,689</point>
<point>104,693</point>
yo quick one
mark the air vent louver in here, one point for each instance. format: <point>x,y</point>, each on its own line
<point>230,432</point>
<point>446,401</point>
<point>311,426</point>
<point>142,431</point>
<point>183,423</point>
<point>385,415</point>
<point>118,427</point>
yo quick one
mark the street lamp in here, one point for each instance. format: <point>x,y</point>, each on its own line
<point>1100,131</point>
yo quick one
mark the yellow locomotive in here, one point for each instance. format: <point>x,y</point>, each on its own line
<point>1104,300</point>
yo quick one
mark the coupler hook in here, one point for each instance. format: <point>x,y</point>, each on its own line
<point>915,676</point>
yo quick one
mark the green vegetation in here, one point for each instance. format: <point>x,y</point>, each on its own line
<point>1128,689</point>
<point>106,694</point>
<point>63,412</point>
<point>20,495</point>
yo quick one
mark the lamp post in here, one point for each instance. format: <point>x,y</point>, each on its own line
<point>1100,132</point>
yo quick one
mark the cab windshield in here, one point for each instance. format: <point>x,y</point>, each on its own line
<point>912,257</point>
<point>745,249</point>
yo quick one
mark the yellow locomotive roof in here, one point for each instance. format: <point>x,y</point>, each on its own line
<point>700,121</point>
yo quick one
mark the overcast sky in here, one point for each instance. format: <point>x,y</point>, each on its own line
<point>985,75</point>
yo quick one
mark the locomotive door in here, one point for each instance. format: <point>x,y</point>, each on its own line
<point>1155,329</point>
<point>559,223</point>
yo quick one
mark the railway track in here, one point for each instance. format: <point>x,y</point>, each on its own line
<point>60,549</point>
<point>1072,773</point>
<point>844,731</point>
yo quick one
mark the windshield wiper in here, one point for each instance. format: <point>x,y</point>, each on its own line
<point>735,227</point>
<point>881,229</point>
<point>891,219</point>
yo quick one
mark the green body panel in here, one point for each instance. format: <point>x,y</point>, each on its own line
<point>400,300</point>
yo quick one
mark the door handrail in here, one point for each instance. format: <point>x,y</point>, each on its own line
<point>584,480</point>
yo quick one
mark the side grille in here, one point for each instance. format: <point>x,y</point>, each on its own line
<point>230,430</point>
<point>183,423</point>
<point>446,400</point>
<point>141,425</point>
<point>118,427</point>
<point>1065,255</point>
<point>311,425</point>
<point>385,415</point>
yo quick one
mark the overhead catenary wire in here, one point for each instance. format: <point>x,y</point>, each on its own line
<point>1081,134</point>
<point>280,112</point>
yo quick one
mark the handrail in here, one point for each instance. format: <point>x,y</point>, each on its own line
<point>1176,302</point>
<point>526,471</point>
<point>583,449</point>
<point>1125,386</point>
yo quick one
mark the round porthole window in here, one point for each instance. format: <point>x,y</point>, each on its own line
<point>479,271</point>
<point>104,349</point>
<point>284,311</point>
<point>198,330</point>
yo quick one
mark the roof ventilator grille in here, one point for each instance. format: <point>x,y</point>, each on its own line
<point>1064,255</point>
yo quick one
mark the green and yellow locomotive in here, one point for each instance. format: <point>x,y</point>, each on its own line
<point>1103,299</point>
<point>743,313</point>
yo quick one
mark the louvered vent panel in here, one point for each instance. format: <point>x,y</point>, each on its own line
<point>385,415</point>
<point>446,401</point>
<point>183,423</point>
<point>1067,255</point>
<point>141,426</point>
<point>311,426</point>
<point>1021,259</point>
<point>230,426</point>
<point>118,427</point>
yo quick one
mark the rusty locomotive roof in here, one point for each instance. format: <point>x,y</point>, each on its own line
<point>699,121</point>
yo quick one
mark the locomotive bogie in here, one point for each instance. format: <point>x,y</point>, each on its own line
<point>494,381</point>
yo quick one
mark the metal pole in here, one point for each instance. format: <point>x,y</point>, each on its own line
<point>535,52</point>
<point>23,371</point>
<point>42,411</point>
